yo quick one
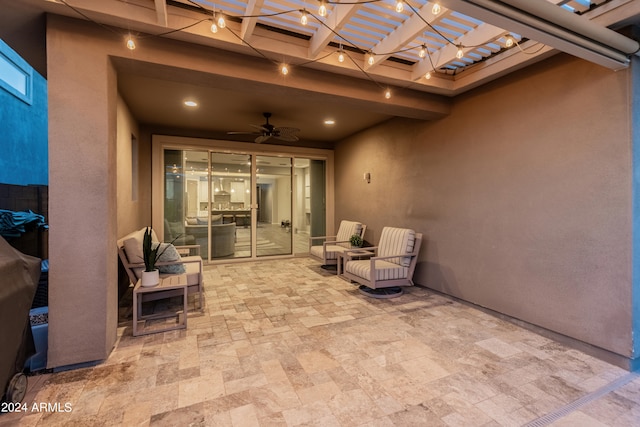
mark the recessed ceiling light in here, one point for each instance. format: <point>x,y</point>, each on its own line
<point>329,122</point>
<point>191,103</point>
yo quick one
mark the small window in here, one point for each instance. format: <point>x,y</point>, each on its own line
<point>15,74</point>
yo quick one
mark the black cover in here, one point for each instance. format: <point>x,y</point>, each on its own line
<point>19,274</point>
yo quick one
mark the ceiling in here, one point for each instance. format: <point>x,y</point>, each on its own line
<point>384,50</point>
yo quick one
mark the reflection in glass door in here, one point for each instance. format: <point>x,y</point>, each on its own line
<point>273,197</point>
<point>230,206</point>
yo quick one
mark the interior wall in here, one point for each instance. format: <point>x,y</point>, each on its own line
<point>523,194</point>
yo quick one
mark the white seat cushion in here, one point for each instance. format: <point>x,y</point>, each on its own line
<point>348,229</point>
<point>384,270</point>
<point>332,251</point>
<point>395,241</point>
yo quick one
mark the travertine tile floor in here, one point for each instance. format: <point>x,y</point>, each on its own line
<point>285,343</point>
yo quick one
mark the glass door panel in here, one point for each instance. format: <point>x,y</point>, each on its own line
<point>273,197</point>
<point>184,172</point>
<point>230,206</point>
<point>309,210</point>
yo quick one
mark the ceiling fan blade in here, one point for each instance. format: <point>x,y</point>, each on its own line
<point>286,133</point>
<point>261,127</point>
<point>244,133</point>
<point>288,138</point>
<point>262,138</point>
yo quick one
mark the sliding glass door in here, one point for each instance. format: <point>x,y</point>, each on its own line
<point>242,205</point>
<point>273,197</point>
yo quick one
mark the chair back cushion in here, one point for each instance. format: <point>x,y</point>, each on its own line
<point>348,229</point>
<point>397,241</point>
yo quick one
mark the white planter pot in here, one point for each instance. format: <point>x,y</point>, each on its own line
<point>150,278</point>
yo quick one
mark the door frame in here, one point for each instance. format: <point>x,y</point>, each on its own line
<point>159,143</point>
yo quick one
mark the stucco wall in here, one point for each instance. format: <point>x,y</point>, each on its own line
<point>82,193</point>
<point>523,194</point>
<point>133,206</point>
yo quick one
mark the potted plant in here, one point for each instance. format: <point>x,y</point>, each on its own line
<point>356,241</point>
<point>150,255</point>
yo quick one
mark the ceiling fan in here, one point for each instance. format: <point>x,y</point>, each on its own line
<point>268,131</point>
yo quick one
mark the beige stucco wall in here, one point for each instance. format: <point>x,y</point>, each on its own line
<point>133,213</point>
<point>82,199</point>
<point>523,194</point>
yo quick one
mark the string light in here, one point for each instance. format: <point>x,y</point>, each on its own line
<point>221,22</point>
<point>131,45</point>
<point>509,41</point>
<point>322,10</point>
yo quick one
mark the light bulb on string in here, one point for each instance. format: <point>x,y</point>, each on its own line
<point>460,52</point>
<point>371,58</point>
<point>214,28</point>
<point>284,69</point>
<point>221,22</point>
<point>436,9</point>
<point>387,93</point>
<point>399,6</point>
<point>322,10</point>
<point>509,41</point>
<point>422,52</point>
<point>131,45</point>
<point>428,75</point>
<point>340,56</point>
<point>303,18</point>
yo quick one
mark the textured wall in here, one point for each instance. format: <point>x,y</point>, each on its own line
<point>133,211</point>
<point>523,194</point>
<point>23,138</point>
<point>82,196</point>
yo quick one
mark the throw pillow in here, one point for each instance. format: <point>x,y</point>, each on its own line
<point>170,254</point>
<point>133,249</point>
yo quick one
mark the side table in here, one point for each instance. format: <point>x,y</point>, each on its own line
<point>177,284</point>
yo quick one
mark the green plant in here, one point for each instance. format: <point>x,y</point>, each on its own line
<point>150,253</point>
<point>356,241</point>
